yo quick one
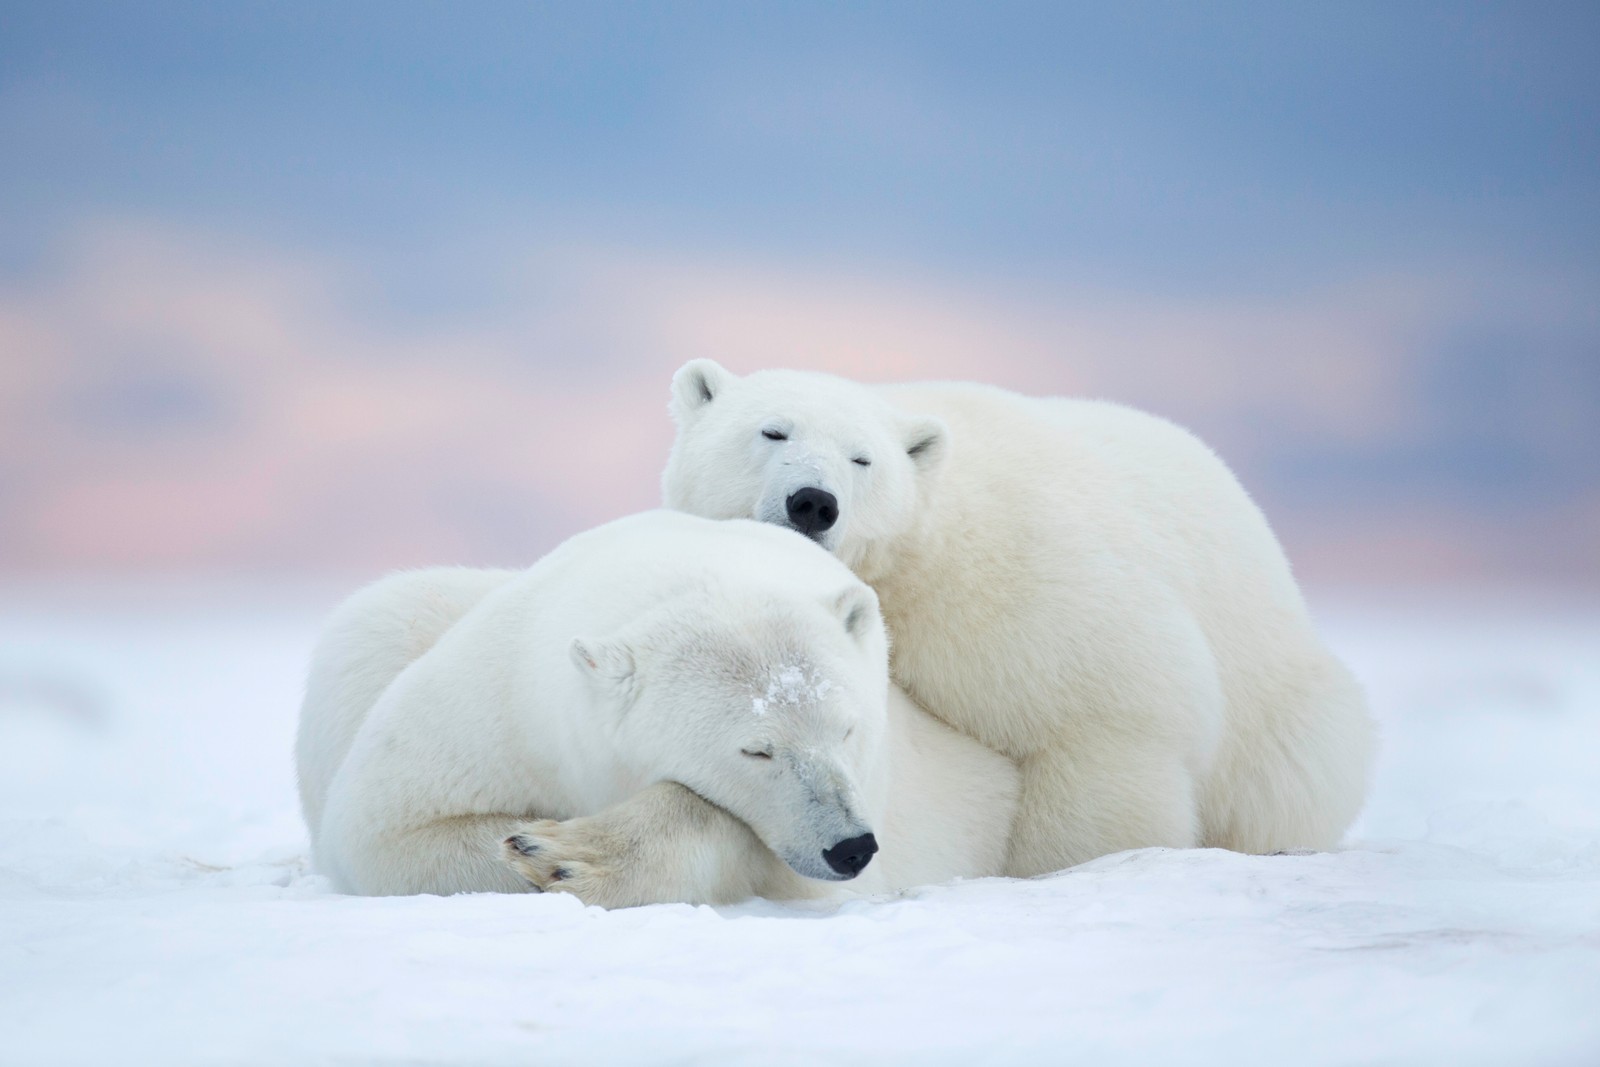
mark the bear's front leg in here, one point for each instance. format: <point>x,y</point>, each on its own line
<point>664,843</point>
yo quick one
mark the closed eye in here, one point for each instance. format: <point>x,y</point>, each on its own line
<point>862,461</point>
<point>774,435</point>
<point>758,754</point>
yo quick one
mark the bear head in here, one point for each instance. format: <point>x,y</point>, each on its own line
<point>826,457</point>
<point>769,707</point>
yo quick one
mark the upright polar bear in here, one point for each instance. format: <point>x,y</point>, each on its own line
<point>451,718</point>
<point>1080,586</point>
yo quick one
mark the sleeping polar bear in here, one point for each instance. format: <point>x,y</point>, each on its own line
<point>457,736</point>
<point>1082,587</point>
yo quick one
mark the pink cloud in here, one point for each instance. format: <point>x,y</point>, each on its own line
<point>347,441</point>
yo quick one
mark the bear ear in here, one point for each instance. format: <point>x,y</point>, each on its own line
<point>926,438</point>
<point>697,383</point>
<point>606,663</point>
<point>856,608</point>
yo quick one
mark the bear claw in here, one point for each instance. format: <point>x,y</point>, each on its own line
<point>522,845</point>
<point>554,857</point>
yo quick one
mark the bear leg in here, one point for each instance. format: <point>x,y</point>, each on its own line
<point>664,843</point>
<point>1079,802</point>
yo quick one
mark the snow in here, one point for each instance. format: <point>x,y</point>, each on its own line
<point>156,907</point>
<point>789,687</point>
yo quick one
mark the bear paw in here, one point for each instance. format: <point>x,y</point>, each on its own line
<point>565,857</point>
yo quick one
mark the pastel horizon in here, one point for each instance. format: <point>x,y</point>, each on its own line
<point>272,302</point>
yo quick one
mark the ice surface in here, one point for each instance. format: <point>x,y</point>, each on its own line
<point>155,905</point>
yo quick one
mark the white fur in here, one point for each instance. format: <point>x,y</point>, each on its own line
<point>1080,586</point>
<point>564,727</point>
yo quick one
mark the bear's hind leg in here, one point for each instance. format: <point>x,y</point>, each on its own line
<point>1082,800</point>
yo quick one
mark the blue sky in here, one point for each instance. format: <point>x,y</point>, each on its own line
<point>1181,145</point>
<point>1239,158</point>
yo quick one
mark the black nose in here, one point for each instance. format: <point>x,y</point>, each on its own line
<point>851,856</point>
<point>813,510</point>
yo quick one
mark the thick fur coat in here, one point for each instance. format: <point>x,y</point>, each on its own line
<point>1080,586</point>
<point>664,708</point>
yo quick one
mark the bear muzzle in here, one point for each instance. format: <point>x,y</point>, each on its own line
<point>812,511</point>
<point>851,856</point>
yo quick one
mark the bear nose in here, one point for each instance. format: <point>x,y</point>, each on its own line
<point>813,511</point>
<point>851,856</point>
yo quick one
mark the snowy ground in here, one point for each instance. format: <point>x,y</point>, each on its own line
<point>155,905</point>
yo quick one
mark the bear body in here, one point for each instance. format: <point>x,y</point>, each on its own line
<point>1080,586</point>
<point>564,727</point>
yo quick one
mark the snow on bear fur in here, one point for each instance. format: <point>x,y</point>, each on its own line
<point>558,728</point>
<point>1080,586</point>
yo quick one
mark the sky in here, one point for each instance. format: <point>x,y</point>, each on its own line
<point>308,288</point>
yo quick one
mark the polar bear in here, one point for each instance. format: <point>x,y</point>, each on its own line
<point>1080,586</point>
<point>456,736</point>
